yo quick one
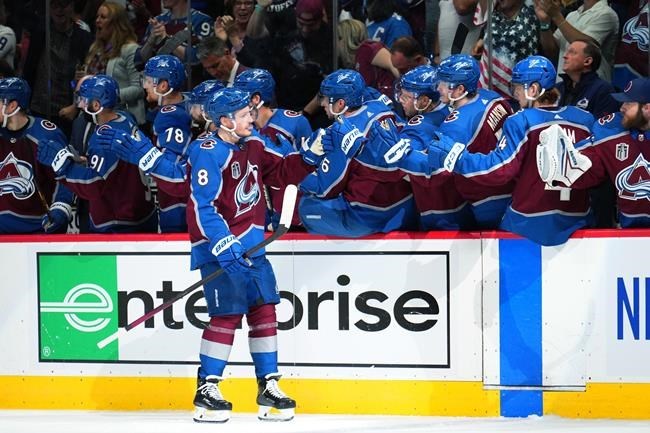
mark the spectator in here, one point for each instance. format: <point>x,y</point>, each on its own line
<point>581,85</point>
<point>302,56</point>
<point>371,58</point>
<point>113,54</point>
<point>514,31</point>
<point>7,38</point>
<point>406,53</point>
<point>50,73</point>
<point>169,33</point>
<point>594,20</point>
<point>232,28</point>
<point>457,32</point>
<point>384,23</point>
<point>140,11</point>
<point>218,60</point>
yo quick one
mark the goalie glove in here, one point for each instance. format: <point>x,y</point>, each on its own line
<point>135,149</point>
<point>557,158</point>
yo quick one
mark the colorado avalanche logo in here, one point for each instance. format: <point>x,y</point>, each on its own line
<point>247,192</point>
<point>635,30</point>
<point>633,182</point>
<point>16,178</point>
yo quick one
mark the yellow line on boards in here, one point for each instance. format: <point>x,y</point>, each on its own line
<point>601,400</point>
<point>400,397</point>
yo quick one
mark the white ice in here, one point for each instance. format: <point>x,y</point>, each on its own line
<point>21,421</point>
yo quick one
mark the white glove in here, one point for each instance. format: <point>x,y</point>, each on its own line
<point>557,159</point>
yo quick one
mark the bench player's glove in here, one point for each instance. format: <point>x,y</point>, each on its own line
<point>135,149</point>
<point>57,218</point>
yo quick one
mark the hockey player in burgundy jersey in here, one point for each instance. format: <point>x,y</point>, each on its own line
<point>547,216</point>
<point>476,120</point>
<point>119,201</point>
<point>164,76</point>
<point>354,192</point>
<point>285,130</point>
<point>439,204</point>
<point>31,200</point>
<point>619,148</point>
<point>226,215</point>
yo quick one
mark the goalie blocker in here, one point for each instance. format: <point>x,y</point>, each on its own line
<point>558,161</point>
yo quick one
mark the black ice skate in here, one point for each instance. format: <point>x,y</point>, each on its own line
<point>209,404</point>
<point>274,405</point>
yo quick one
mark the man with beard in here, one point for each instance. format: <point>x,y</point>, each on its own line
<point>618,149</point>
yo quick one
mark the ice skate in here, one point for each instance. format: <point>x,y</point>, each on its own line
<point>209,404</point>
<point>274,405</point>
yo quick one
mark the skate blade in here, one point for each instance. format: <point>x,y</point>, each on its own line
<point>268,413</point>
<point>202,414</point>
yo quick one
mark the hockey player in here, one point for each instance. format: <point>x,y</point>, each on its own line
<point>476,120</point>
<point>164,76</point>
<point>31,200</point>
<point>547,216</point>
<point>198,97</point>
<point>285,130</point>
<point>618,149</point>
<point>226,212</point>
<point>119,201</point>
<point>439,204</point>
<point>354,192</point>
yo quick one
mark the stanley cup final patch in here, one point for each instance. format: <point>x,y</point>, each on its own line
<point>622,150</point>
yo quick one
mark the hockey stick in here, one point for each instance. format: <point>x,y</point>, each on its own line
<point>288,204</point>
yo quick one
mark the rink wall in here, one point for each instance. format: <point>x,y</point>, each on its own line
<point>467,324</point>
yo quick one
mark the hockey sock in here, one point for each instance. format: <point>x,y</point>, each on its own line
<point>262,339</point>
<point>216,343</point>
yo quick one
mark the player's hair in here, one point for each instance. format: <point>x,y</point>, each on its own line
<point>592,50</point>
<point>122,33</point>
<point>211,45</point>
<point>550,97</point>
<point>351,34</point>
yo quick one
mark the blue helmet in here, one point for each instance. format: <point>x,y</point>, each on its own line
<point>202,92</point>
<point>344,84</point>
<point>102,88</point>
<point>257,81</point>
<point>168,68</point>
<point>15,89</point>
<point>460,69</point>
<point>226,102</point>
<point>422,80</point>
<point>534,69</point>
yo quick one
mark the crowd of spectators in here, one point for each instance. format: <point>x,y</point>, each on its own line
<point>597,46</point>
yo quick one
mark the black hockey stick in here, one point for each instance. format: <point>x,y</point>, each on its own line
<point>286,215</point>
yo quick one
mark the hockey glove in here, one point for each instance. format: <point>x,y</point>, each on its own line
<point>135,149</point>
<point>384,139</point>
<point>57,218</point>
<point>312,147</point>
<point>444,153</point>
<point>347,136</point>
<point>557,158</point>
<point>55,155</point>
<point>230,254</point>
